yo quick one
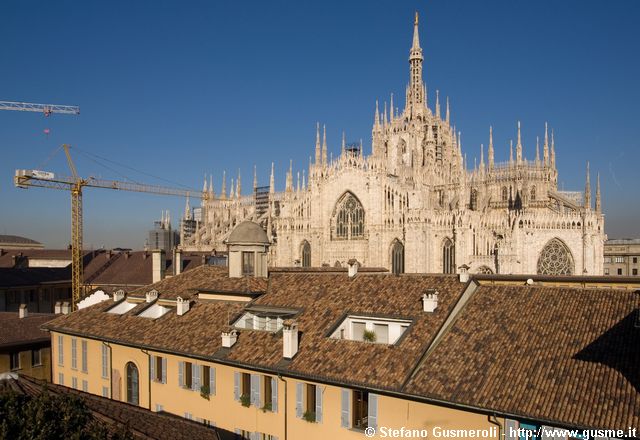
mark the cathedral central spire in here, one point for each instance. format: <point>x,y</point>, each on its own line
<point>416,96</point>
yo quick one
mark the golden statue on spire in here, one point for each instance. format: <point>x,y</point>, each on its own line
<point>416,20</point>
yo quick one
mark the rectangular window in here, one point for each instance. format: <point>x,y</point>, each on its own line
<point>247,263</point>
<point>635,260</point>
<point>382,333</point>
<point>105,361</point>
<point>208,380</point>
<point>60,350</point>
<point>360,409</point>
<point>85,386</point>
<point>195,377</point>
<point>619,271</point>
<point>158,369</point>
<point>185,375</point>
<point>606,271</point>
<point>310,403</point>
<point>15,361</point>
<point>60,379</point>
<point>74,383</point>
<point>634,271</point>
<point>267,392</point>
<point>84,356</point>
<point>74,353</point>
<point>619,259</point>
<point>245,384</point>
<point>607,259</point>
<point>36,357</point>
<point>105,391</point>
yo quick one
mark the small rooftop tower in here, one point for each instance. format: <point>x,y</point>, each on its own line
<point>248,245</point>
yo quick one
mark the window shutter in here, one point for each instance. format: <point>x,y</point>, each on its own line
<point>152,367</point>
<point>212,380</point>
<point>274,394</point>
<point>164,370</point>
<point>318,404</point>
<point>195,377</point>
<point>236,385</point>
<point>299,399</point>
<point>373,411</point>
<point>255,390</point>
<point>181,373</point>
<point>510,430</point>
<point>344,413</point>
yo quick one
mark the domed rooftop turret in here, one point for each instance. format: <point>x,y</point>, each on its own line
<point>248,232</point>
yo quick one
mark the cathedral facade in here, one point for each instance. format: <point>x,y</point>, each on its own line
<point>413,205</point>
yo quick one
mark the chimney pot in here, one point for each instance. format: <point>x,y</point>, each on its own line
<point>23,312</point>
<point>464,273</point>
<point>151,296</point>
<point>58,307</point>
<point>182,306</point>
<point>229,338</point>
<point>118,295</point>
<point>66,308</point>
<point>430,301</point>
<point>353,267</point>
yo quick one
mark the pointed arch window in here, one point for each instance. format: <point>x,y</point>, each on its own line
<point>133,379</point>
<point>397,257</point>
<point>348,218</point>
<point>555,259</point>
<point>474,199</point>
<point>505,194</point>
<point>305,254</point>
<point>448,256</point>
<point>533,194</point>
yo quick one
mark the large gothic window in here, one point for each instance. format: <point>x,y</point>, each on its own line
<point>448,256</point>
<point>474,199</point>
<point>348,218</point>
<point>397,257</point>
<point>555,259</point>
<point>133,395</point>
<point>305,253</point>
<point>505,194</point>
<point>533,193</point>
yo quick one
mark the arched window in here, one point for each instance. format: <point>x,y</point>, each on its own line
<point>533,194</point>
<point>484,270</point>
<point>474,199</point>
<point>505,194</point>
<point>448,256</point>
<point>555,259</point>
<point>133,394</point>
<point>305,254</point>
<point>348,218</point>
<point>397,257</point>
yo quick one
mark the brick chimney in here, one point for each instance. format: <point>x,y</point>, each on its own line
<point>22,311</point>
<point>118,295</point>
<point>289,340</point>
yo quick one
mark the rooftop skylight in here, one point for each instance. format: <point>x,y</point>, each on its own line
<point>121,308</point>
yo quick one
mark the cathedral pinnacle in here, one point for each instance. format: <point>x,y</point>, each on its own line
<point>438,104</point>
<point>212,194</point>
<point>231,194</point>
<point>519,146</point>
<point>223,191</point>
<point>187,209</point>
<point>317,143</point>
<point>598,205</point>
<point>490,147</point>
<point>587,191</point>
<point>324,145</point>
<point>553,151</point>
<point>537,150</point>
<point>416,36</point>
<point>204,185</point>
<point>482,156</point>
<point>447,115</point>
<point>545,147</point>
<point>344,143</point>
<point>238,187</point>
<point>511,151</point>
<point>255,178</point>
<point>391,112</point>
<point>376,117</point>
<point>272,181</point>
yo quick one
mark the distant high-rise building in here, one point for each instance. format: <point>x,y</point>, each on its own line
<point>162,236</point>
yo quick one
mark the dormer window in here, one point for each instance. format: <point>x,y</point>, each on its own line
<point>371,329</point>
<point>154,312</point>
<point>248,259</point>
<point>264,318</point>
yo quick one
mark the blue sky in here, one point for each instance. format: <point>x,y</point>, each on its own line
<point>180,89</point>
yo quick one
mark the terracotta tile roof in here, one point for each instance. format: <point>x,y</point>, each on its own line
<point>142,423</point>
<point>16,331</point>
<point>511,349</point>
<point>557,354</point>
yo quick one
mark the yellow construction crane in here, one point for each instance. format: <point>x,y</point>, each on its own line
<point>75,184</point>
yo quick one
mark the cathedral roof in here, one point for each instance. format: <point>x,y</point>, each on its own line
<point>248,232</point>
